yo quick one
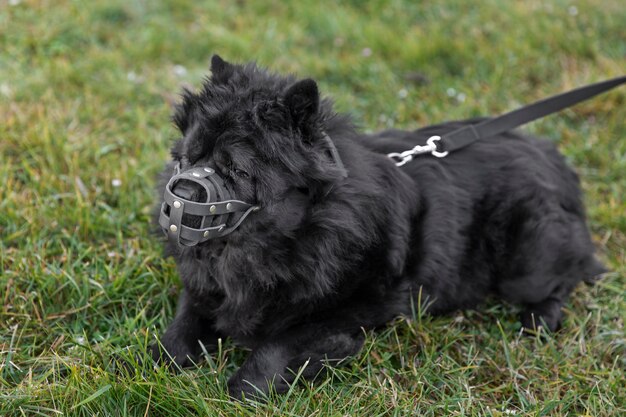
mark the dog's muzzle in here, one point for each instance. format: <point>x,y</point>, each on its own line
<point>214,213</point>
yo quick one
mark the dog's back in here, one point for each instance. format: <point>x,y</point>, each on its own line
<point>504,215</point>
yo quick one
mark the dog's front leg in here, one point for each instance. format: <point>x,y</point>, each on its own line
<point>277,361</point>
<point>181,342</point>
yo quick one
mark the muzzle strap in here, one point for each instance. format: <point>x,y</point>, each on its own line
<point>214,212</point>
<point>205,209</point>
<point>174,226</point>
<point>188,236</point>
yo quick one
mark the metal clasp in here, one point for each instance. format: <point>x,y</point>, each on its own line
<point>401,158</point>
<point>431,142</point>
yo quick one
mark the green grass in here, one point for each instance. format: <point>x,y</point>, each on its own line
<point>86,89</point>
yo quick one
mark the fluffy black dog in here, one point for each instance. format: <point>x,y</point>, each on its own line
<point>334,250</point>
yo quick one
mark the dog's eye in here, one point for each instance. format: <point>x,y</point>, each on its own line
<point>241,173</point>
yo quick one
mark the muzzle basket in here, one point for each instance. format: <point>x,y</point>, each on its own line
<point>215,212</point>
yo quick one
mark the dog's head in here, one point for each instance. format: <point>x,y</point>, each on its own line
<point>262,134</point>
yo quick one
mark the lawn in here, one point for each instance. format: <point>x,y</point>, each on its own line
<point>86,91</point>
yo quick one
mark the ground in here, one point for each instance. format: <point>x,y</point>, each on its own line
<point>86,91</point>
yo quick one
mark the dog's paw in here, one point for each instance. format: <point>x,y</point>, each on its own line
<point>533,323</point>
<point>593,280</point>
<point>257,389</point>
<point>595,272</point>
<point>240,390</point>
<point>173,356</point>
<point>546,314</point>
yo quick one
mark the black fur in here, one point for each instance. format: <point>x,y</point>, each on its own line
<point>327,256</point>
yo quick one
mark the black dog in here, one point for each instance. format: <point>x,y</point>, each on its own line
<point>336,249</point>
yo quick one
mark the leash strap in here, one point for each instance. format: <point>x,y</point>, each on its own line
<point>460,138</point>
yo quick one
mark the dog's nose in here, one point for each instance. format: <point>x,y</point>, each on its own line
<point>189,191</point>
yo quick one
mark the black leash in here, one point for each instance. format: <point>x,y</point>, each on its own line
<point>440,146</point>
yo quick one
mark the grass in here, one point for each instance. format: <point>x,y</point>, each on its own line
<point>86,89</point>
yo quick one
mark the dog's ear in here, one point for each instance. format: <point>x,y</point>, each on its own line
<point>221,70</point>
<point>303,101</point>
